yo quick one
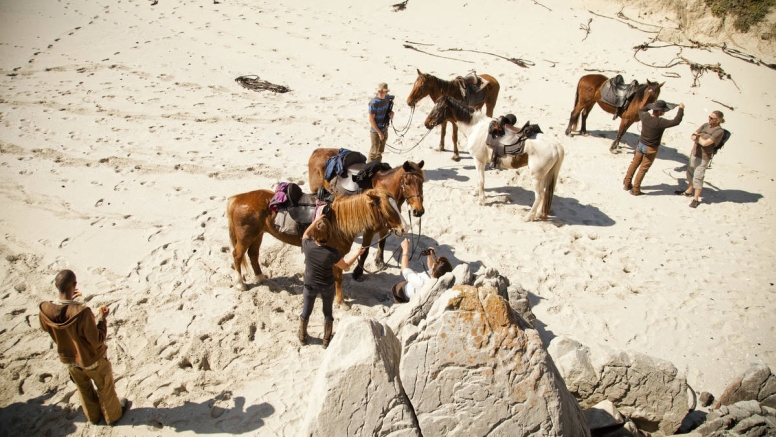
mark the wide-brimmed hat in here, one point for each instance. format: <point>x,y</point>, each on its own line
<point>382,86</point>
<point>510,119</point>
<point>661,105</point>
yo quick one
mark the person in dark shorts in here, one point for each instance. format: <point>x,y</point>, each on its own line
<point>318,275</point>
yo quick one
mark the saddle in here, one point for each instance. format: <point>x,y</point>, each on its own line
<point>297,210</point>
<point>619,94</point>
<point>472,88</point>
<point>342,182</point>
<point>512,143</point>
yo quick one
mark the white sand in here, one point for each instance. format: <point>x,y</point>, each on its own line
<point>124,133</point>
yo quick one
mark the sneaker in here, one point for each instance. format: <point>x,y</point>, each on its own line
<point>694,203</point>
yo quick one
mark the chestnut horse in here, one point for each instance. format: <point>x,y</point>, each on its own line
<point>403,183</point>
<point>250,217</point>
<point>542,155</point>
<point>434,87</point>
<point>589,92</point>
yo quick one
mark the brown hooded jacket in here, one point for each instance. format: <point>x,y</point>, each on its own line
<point>80,338</point>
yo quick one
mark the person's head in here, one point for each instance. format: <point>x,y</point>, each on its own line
<point>509,119</point>
<point>441,266</point>
<point>382,89</point>
<point>659,108</point>
<point>321,230</point>
<point>65,282</point>
<point>716,118</point>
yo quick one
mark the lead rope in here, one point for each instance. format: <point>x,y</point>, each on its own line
<point>406,128</point>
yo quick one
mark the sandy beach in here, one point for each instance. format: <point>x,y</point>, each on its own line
<point>124,133</point>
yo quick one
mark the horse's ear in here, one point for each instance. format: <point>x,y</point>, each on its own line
<point>419,73</point>
<point>407,167</point>
<point>420,164</point>
<point>661,85</point>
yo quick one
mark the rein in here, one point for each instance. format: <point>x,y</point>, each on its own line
<point>406,127</point>
<point>401,151</point>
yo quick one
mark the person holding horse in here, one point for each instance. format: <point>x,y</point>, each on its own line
<point>380,115</point>
<point>652,128</point>
<point>413,281</point>
<point>80,341</point>
<point>705,139</point>
<point>318,275</point>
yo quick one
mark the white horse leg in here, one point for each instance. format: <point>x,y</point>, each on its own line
<point>538,187</point>
<point>480,190</point>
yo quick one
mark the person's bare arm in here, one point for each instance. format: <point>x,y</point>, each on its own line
<point>405,257</point>
<point>345,264</point>
<point>431,259</point>
<point>373,123</point>
<point>307,231</point>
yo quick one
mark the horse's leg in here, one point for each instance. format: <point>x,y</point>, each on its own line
<point>480,190</point>
<point>442,137</point>
<point>585,112</point>
<point>366,240</point>
<point>379,255</point>
<point>238,254</point>
<point>624,125</point>
<point>253,256</point>
<point>456,158</point>
<point>538,187</point>
<point>338,284</point>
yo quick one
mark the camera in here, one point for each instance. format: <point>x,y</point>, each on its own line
<point>427,252</point>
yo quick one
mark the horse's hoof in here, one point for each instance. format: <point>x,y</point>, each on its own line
<point>261,278</point>
<point>358,274</point>
<point>441,149</point>
<point>242,286</point>
<point>343,305</point>
<point>456,158</point>
<point>614,151</point>
<point>379,264</point>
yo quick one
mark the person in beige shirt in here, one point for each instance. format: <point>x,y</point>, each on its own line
<point>704,139</point>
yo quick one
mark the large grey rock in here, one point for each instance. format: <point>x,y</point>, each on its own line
<point>357,390</point>
<point>463,275</point>
<point>648,390</point>
<point>490,276</point>
<point>573,361</point>
<point>744,418</point>
<point>472,371</point>
<point>518,300</point>
<point>757,383</point>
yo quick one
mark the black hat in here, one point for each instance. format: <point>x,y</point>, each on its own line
<point>510,119</point>
<point>661,105</point>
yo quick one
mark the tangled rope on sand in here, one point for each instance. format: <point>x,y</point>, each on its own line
<point>252,82</point>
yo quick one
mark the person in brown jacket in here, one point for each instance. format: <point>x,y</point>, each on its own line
<point>652,128</point>
<point>80,340</point>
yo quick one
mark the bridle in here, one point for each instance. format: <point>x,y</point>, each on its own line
<point>404,187</point>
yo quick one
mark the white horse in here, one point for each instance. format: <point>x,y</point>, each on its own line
<point>542,154</point>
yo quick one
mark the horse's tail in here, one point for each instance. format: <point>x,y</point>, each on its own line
<point>576,102</point>
<point>552,180</point>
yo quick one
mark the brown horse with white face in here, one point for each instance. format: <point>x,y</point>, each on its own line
<point>250,217</point>
<point>403,183</point>
<point>589,93</point>
<point>434,87</point>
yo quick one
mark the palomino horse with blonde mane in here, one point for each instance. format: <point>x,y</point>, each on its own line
<point>542,155</point>
<point>434,87</point>
<point>250,217</point>
<point>403,183</point>
<point>589,92</point>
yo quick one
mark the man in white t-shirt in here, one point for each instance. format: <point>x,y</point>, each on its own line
<point>413,281</point>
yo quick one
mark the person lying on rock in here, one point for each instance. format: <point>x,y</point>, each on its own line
<point>413,281</point>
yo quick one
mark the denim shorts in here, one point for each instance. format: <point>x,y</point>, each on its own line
<point>641,148</point>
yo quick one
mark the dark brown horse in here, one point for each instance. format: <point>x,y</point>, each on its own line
<point>250,217</point>
<point>589,92</point>
<point>404,183</point>
<point>434,87</point>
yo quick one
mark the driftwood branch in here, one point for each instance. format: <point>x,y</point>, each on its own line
<point>407,46</point>
<point>603,71</point>
<point>545,7</point>
<point>626,23</point>
<point>252,82</point>
<point>400,6</point>
<point>586,28</point>
<point>521,62</point>
<point>551,62</point>
<point>727,106</point>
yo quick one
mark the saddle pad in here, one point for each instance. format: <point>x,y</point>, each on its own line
<point>346,182</point>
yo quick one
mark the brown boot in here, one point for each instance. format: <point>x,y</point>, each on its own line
<point>327,334</point>
<point>303,330</point>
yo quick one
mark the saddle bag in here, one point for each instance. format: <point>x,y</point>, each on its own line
<point>285,224</point>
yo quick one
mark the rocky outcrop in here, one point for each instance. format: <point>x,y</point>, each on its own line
<point>757,383</point>
<point>357,390</point>
<point>648,390</point>
<point>745,418</point>
<point>472,369</point>
<point>603,415</point>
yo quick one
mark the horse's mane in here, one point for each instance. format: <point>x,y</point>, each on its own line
<point>462,112</point>
<point>353,214</point>
<point>444,86</point>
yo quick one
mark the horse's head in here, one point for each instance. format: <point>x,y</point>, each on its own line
<point>439,113</point>
<point>651,92</point>
<point>412,186</point>
<point>388,211</point>
<point>419,89</point>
